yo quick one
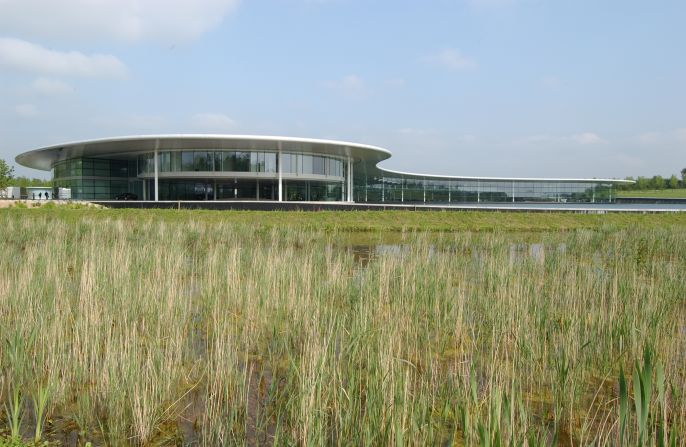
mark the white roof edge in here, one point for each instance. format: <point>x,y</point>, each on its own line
<point>521,179</point>
<point>205,136</point>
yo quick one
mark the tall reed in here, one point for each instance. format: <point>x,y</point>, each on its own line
<point>154,331</point>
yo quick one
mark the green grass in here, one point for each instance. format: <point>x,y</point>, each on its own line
<point>158,328</point>
<point>369,221</point>
<point>661,193</point>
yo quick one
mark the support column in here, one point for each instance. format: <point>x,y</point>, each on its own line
<point>402,190</point>
<point>366,189</point>
<point>383,190</point>
<point>350,179</point>
<point>279,163</point>
<point>157,176</point>
<point>513,193</point>
<point>424,190</point>
<point>478,191</point>
<point>214,188</point>
<point>450,187</point>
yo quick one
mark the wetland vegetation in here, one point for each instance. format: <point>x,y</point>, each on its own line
<point>354,328</point>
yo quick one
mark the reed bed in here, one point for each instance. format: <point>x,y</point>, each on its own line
<point>154,332</point>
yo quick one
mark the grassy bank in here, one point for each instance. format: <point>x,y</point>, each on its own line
<point>159,328</point>
<point>367,221</point>
<point>658,193</point>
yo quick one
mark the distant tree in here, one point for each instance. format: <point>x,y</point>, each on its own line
<point>683,177</point>
<point>6,174</point>
<point>627,186</point>
<point>657,182</point>
<point>642,183</point>
<point>673,182</point>
<point>26,181</point>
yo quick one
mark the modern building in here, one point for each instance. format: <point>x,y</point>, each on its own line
<point>240,167</point>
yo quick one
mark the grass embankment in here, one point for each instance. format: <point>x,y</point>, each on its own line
<point>163,328</point>
<point>369,221</point>
<point>656,193</point>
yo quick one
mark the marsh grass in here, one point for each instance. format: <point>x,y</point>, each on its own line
<point>155,332</point>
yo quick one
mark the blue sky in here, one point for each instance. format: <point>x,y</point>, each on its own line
<point>567,88</point>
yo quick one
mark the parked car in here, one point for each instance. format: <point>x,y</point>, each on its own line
<point>127,196</point>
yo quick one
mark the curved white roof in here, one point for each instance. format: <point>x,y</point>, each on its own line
<point>130,146</point>
<point>44,158</point>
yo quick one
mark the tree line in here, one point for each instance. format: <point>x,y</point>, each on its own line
<point>7,178</point>
<point>655,182</point>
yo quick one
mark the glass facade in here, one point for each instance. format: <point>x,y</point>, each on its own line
<point>254,175</point>
<point>105,179</point>
<point>91,178</point>
<point>408,189</point>
<point>241,161</point>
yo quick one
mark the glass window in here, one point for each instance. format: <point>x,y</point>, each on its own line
<point>187,161</point>
<point>175,161</point>
<point>306,164</point>
<point>229,161</point>
<point>254,162</point>
<point>201,162</point>
<point>270,162</point>
<point>217,161</point>
<point>242,162</point>
<point>318,165</point>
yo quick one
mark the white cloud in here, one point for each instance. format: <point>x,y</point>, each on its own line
<point>452,59</point>
<point>128,20</point>
<point>26,110</point>
<point>588,138</point>
<point>351,85</point>
<point>652,138</point>
<point>49,86</point>
<point>585,138</point>
<point>649,137</point>
<point>22,55</point>
<point>414,131</point>
<point>215,122</point>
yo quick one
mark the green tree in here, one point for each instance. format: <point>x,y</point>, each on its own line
<point>657,182</point>
<point>26,181</point>
<point>683,177</point>
<point>6,174</point>
<point>642,182</point>
<point>626,186</point>
<point>673,182</point>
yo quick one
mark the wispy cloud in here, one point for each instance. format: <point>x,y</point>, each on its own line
<point>584,139</point>
<point>453,59</point>
<point>215,122</point>
<point>588,138</point>
<point>26,110</point>
<point>49,86</point>
<point>350,85</point>
<point>651,138</point>
<point>25,56</point>
<point>129,20</point>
